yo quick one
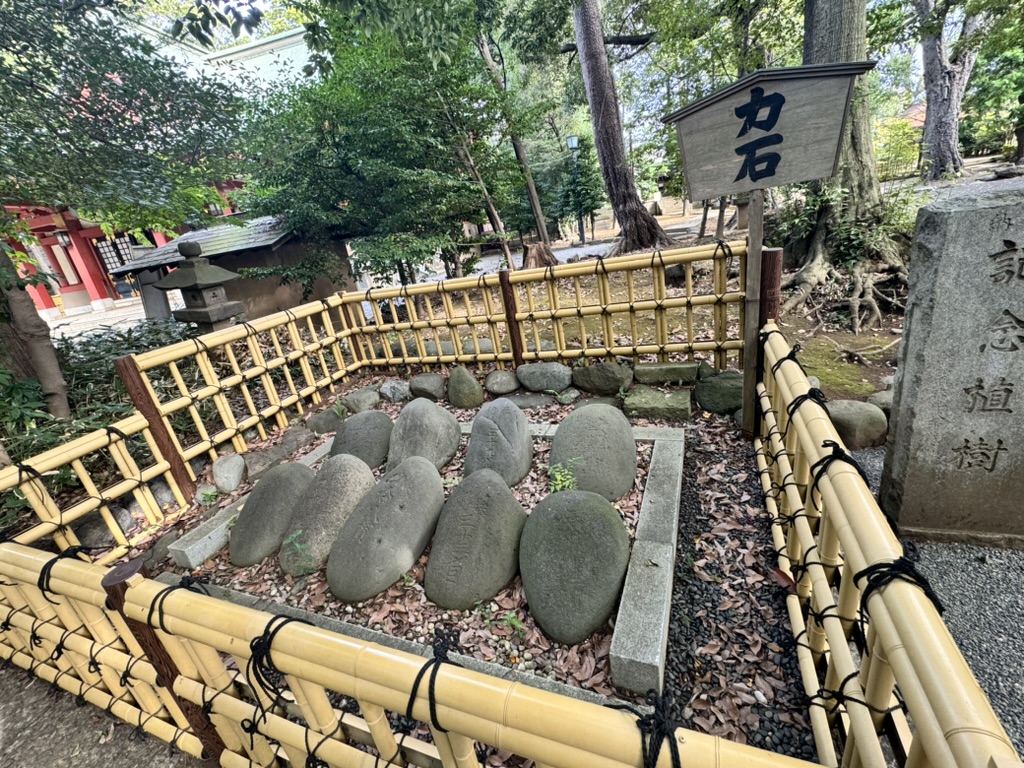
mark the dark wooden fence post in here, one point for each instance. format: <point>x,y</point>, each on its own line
<point>515,333</point>
<point>771,285</point>
<point>115,583</point>
<point>136,388</point>
<point>752,310</point>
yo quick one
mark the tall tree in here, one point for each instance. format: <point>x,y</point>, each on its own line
<point>94,118</point>
<point>639,228</point>
<point>340,161</point>
<point>836,31</point>
<point>948,64</point>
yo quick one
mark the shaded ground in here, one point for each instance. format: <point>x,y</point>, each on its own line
<point>40,730</point>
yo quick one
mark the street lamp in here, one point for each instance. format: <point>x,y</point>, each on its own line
<point>573,143</point>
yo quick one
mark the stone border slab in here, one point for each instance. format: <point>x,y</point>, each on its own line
<point>200,544</point>
<point>640,640</point>
<point>659,512</point>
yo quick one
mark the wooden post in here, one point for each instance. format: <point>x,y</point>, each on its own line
<point>508,301</point>
<point>771,285</point>
<point>115,583</point>
<point>129,372</point>
<point>752,313</point>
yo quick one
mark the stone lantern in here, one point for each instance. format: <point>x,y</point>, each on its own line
<point>202,288</point>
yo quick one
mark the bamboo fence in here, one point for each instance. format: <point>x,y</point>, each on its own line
<point>885,681</point>
<point>186,667</point>
<point>856,598</point>
<point>235,384</point>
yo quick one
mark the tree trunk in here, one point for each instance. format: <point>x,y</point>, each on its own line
<point>720,224</point>
<point>945,81</point>
<point>536,255</point>
<point>704,219</point>
<point>31,337</point>
<point>838,34</point>
<point>492,211</point>
<point>639,229</point>
<point>517,147</point>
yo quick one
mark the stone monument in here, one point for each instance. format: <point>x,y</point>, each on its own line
<point>202,289</point>
<point>956,451</point>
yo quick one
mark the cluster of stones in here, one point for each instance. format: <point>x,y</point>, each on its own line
<point>572,551</point>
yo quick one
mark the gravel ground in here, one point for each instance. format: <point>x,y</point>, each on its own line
<point>982,589</point>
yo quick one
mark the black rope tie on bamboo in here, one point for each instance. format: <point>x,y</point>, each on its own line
<point>445,640</point>
<point>656,728</point>
<point>261,671</point>
<point>94,664</point>
<point>46,572</point>
<point>820,467</point>
<point>841,697</point>
<point>791,357</point>
<point>813,395</point>
<point>126,675</point>
<point>5,625</point>
<point>58,649</point>
<point>721,245</point>
<point>763,336</point>
<point>113,432</point>
<point>312,759</point>
<point>188,583</point>
<point>901,569</point>
<point>34,639</point>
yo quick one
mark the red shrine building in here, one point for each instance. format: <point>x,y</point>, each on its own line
<point>77,253</point>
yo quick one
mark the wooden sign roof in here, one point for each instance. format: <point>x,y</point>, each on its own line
<point>771,127</point>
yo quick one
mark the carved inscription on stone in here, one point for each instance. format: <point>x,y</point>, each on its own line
<point>978,453</point>
<point>994,398</point>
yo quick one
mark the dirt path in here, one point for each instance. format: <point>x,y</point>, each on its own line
<point>39,730</point>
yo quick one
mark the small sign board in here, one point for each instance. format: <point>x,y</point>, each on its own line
<point>769,128</point>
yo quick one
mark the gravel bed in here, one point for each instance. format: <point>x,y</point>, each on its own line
<point>731,664</point>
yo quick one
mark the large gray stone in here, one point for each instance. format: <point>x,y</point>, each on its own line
<point>424,429</point>
<point>529,400</point>
<point>596,446</point>
<point>93,531</point>
<point>261,525</point>
<point>228,472</point>
<point>722,393</point>
<point>602,378</point>
<point>367,436</point>
<point>649,403</point>
<point>429,385</point>
<point>883,400</point>
<point>544,377</point>
<point>501,382</point>
<point>501,442</point>
<point>325,422</point>
<point>464,391</point>
<point>860,425</point>
<point>364,399</point>
<point>395,391</point>
<point>295,439</point>
<point>387,531</point>
<point>956,447</point>
<point>573,557</point>
<point>321,511</point>
<point>475,551</point>
<point>666,373</point>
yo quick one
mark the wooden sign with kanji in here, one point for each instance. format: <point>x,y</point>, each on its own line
<point>772,127</point>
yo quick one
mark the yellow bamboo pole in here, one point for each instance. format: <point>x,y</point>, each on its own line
<point>954,729</point>
<point>505,714</point>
